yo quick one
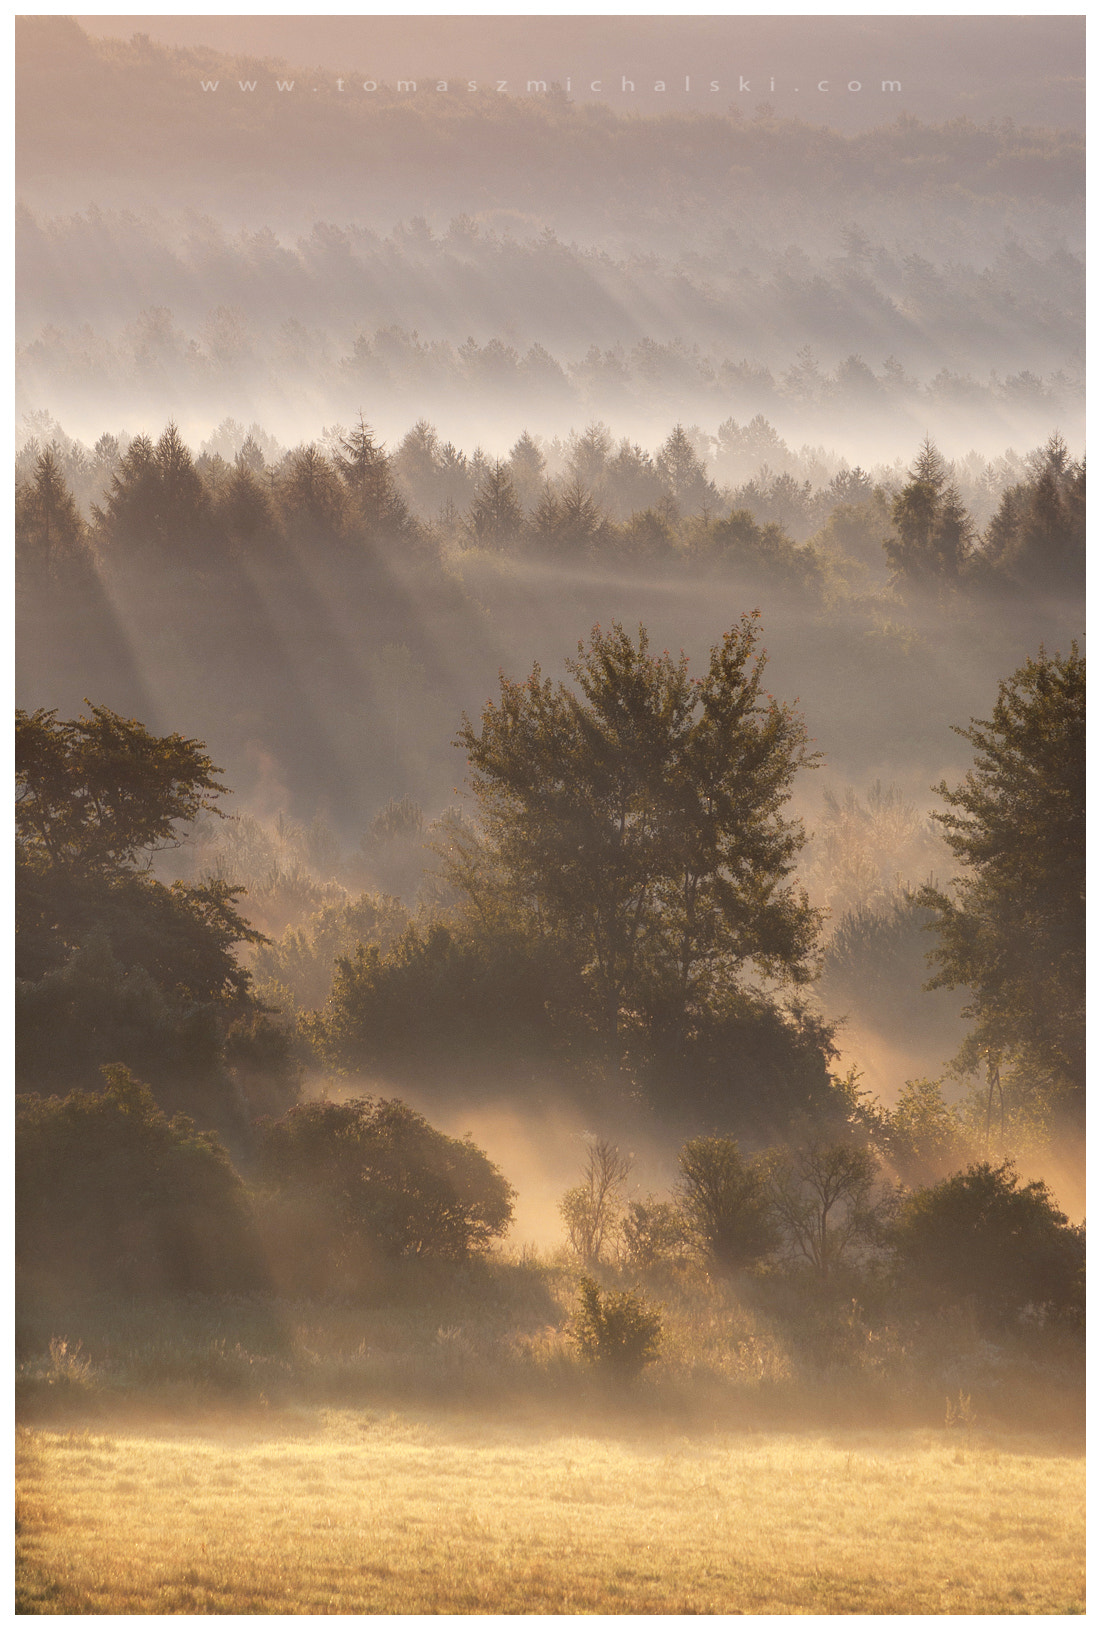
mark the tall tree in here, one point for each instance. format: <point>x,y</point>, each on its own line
<point>685,474</point>
<point>1012,929</point>
<point>933,532</point>
<point>495,515</point>
<point>49,531</point>
<point>639,818</point>
<point>1036,540</point>
<point>158,508</point>
<point>96,798</point>
<point>526,467</point>
<point>364,467</point>
<point>113,966</point>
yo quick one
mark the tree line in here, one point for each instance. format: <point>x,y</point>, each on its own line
<point>609,502</point>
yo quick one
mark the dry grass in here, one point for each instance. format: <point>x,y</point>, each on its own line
<point>322,1511</point>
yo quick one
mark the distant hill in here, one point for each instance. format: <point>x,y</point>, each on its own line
<point>129,123</point>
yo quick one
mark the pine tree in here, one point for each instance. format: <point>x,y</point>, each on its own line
<point>495,516</point>
<point>933,531</point>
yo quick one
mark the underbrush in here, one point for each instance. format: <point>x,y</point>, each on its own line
<point>769,1349</point>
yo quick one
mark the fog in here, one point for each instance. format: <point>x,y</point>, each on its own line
<point>695,265</point>
<point>337,410</point>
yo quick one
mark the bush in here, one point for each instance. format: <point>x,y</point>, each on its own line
<point>260,1056</point>
<point>924,1137</point>
<point>616,1329</point>
<point>655,1235</point>
<point>391,1182</point>
<point>726,1201</point>
<point>111,1194</point>
<point>750,1065</point>
<point>981,1237</point>
<point>439,1000</point>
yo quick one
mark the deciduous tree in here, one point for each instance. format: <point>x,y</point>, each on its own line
<point>639,819</point>
<point>1012,927</point>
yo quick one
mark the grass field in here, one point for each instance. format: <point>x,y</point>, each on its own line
<point>349,1511</point>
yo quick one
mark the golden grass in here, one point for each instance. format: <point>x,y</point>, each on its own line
<point>345,1511</point>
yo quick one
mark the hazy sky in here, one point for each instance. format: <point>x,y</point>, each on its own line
<point>1029,68</point>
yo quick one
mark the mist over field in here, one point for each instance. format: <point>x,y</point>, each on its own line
<point>550,810</point>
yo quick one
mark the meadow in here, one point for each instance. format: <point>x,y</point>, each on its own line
<point>446,1450</point>
<point>357,1511</point>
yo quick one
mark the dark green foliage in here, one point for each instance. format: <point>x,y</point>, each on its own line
<point>496,515</point>
<point>157,505</point>
<point>655,1235</point>
<point>261,1057</point>
<point>298,969</point>
<point>923,1137</point>
<point>377,509</point>
<point>51,547</point>
<point>389,1181</point>
<point>92,1009</point>
<point>1037,539</point>
<point>112,1195</point>
<point>99,793</point>
<point>685,474</point>
<point>113,965</point>
<point>639,821</point>
<point>443,1000</point>
<point>766,552</point>
<point>1013,928</point>
<point>933,533</point>
<point>751,1063</point>
<point>727,1203</point>
<point>984,1237</point>
<point>617,1330</point>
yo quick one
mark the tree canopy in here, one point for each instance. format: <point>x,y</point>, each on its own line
<point>1013,927</point>
<point>114,965</point>
<point>394,1181</point>
<point>639,820</point>
<point>100,793</point>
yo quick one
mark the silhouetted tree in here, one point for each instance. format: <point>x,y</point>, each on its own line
<point>726,1201</point>
<point>495,515</point>
<point>390,1180</point>
<point>640,819</point>
<point>933,532</point>
<point>1012,929</point>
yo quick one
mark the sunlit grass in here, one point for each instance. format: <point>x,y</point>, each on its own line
<point>358,1512</point>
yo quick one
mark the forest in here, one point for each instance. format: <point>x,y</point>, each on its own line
<point>550,844</point>
<point>621,909</point>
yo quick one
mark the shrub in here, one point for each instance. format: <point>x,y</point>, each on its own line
<point>924,1137</point>
<point>392,1182</point>
<point>616,1329</point>
<point>655,1234</point>
<point>435,1000</point>
<point>726,1201</point>
<point>111,1194</point>
<point>981,1236</point>
<point>260,1055</point>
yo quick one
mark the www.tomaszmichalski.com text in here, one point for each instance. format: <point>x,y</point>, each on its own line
<point>620,85</point>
